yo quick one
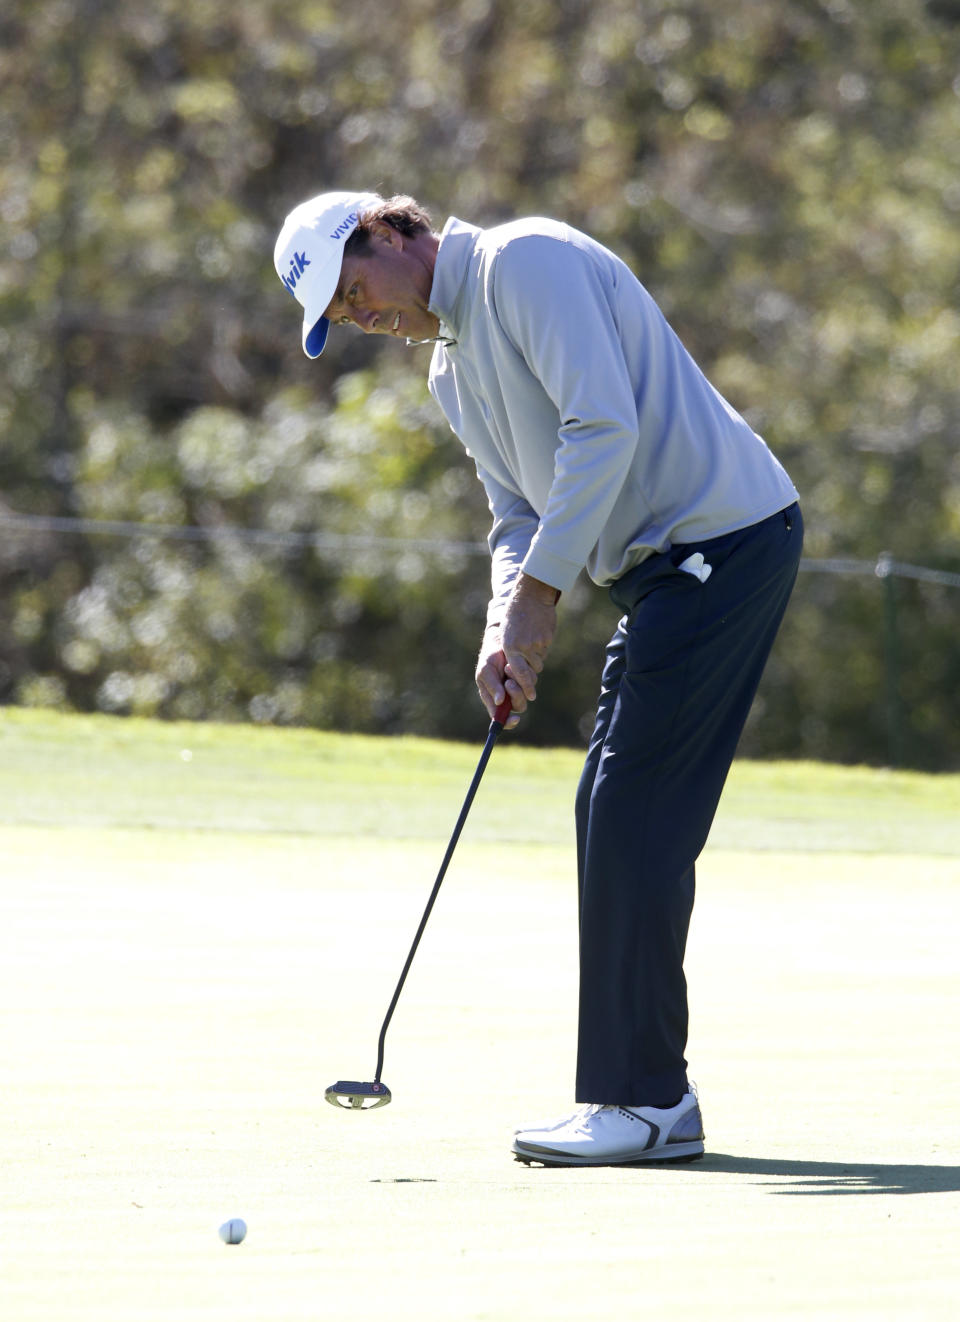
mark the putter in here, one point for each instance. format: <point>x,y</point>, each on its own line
<point>352,1096</point>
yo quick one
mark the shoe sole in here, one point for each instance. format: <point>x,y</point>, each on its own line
<point>669,1155</point>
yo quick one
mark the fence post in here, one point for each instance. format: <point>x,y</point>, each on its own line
<point>885,572</point>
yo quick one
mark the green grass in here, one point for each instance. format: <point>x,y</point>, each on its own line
<point>58,770</point>
<point>191,950</point>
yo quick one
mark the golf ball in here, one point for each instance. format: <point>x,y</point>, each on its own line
<point>233,1231</point>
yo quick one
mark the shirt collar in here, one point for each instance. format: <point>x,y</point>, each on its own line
<point>458,242</point>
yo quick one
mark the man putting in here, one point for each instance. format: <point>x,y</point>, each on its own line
<point>602,446</point>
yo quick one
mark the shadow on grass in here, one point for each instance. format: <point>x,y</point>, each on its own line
<point>833,1177</point>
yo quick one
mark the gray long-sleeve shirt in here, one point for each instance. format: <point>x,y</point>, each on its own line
<point>597,438</point>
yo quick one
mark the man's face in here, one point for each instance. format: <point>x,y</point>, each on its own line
<point>387,290</point>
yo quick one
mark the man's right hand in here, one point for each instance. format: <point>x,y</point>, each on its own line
<point>493,682</point>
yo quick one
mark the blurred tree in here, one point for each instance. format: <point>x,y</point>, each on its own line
<point>782,176</point>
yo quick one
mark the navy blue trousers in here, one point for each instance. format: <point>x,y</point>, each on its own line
<point>681,673</point>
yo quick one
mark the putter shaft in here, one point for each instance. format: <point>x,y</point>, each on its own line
<point>496,726</point>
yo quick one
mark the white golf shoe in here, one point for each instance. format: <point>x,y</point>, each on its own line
<point>558,1122</point>
<point>603,1135</point>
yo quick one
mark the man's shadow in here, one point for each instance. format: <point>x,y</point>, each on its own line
<point>805,1178</point>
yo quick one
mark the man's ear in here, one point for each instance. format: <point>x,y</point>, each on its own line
<point>385,233</point>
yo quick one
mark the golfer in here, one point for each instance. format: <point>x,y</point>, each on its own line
<point>601,446</point>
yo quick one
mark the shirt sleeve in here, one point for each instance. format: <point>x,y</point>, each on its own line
<point>514,526</point>
<point>554,304</point>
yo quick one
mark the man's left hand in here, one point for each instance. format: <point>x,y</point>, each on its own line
<point>525,636</point>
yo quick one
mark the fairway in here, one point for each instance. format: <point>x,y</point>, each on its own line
<point>202,927</point>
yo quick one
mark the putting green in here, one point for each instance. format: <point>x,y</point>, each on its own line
<point>174,1002</point>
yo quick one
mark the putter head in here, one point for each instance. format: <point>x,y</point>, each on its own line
<point>357,1096</point>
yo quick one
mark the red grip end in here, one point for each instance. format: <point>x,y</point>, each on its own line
<point>506,707</point>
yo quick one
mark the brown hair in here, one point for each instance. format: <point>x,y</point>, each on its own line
<point>400,212</point>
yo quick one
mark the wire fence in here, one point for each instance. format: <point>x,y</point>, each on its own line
<point>884,567</point>
<point>175,532</point>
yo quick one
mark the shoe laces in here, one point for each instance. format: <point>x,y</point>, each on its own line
<point>585,1113</point>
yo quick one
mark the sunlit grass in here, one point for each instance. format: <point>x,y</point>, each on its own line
<point>63,770</point>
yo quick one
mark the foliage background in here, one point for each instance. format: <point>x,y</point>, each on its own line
<point>782,176</point>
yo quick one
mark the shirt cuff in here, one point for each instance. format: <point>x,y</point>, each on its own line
<point>550,568</point>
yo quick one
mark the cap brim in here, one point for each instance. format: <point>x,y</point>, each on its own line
<point>315,337</point>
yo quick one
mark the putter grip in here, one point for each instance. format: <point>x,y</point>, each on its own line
<point>506,707</point>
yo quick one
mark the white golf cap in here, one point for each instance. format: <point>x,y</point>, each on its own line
<point>309,253</point>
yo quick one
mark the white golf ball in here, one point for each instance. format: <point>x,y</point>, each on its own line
<point>233,1231</point>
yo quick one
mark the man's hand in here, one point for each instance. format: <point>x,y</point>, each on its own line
<point>490,676</point>
<point>513,653</point>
